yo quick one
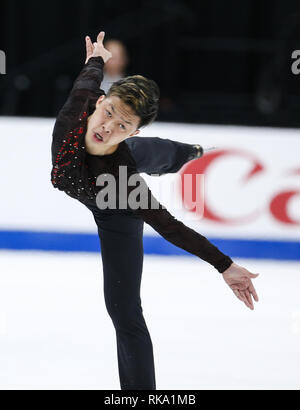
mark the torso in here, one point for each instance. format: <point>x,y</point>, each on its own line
<point>110,164</point>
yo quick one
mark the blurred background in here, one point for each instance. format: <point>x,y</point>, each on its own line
<point>229,78</point>
<point>215,61</point>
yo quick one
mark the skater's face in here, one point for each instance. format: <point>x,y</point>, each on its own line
<point>111,123</point>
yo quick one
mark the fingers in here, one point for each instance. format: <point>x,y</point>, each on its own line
<point>253,291</point>
<point>100,37</point>
<point>89,45</point>
<point>249,299</point>
<point>253,275</point>
<point>244,299</point>
<point>241,295</point>
<point>251,287</point>
<point>238,294</point>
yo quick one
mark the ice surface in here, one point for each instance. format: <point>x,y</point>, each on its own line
<point>55,331</point>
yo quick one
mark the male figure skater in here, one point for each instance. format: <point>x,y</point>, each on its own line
<point>91,138</point>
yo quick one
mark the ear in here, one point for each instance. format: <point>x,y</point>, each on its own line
<point>134,133</point>
<point>100,99</point>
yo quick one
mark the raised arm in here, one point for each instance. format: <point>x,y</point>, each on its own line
<point>86,90</point>
<point>154,155</point>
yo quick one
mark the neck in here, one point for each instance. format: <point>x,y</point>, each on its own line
<point>109,150</point>
<point>105,150</point>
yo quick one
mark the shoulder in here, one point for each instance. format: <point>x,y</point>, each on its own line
<point>126,157</point>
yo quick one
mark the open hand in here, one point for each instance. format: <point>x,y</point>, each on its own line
<point>97,49</point>
<point>239,280</point>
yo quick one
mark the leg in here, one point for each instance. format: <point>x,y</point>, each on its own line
<point>121,238</point>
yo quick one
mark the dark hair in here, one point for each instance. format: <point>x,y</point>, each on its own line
<point>141,94</point>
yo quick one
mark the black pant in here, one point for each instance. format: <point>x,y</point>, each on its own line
<point>121,238</point>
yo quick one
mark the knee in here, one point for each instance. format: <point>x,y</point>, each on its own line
<point>125,316</point>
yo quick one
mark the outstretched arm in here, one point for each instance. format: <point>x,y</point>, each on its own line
<point>158,156</point>
<point>174,231</point>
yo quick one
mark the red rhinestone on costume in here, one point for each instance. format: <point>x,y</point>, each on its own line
<point>67,173</point>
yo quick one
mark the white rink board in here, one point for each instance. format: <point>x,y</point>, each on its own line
<point>30,202</point>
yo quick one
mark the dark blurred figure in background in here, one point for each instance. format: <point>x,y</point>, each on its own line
<point>115,68</point>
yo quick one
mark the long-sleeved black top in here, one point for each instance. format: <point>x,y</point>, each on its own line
<point>75,171</point>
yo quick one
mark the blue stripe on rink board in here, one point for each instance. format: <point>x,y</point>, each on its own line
<point>49,241</point>
<point>80,242</point>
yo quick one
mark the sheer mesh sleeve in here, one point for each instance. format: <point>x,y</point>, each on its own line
<point>174,231</point>
<point>86,90</point>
